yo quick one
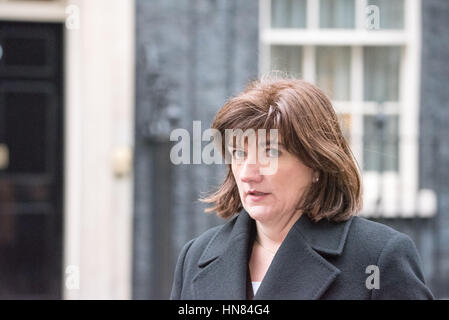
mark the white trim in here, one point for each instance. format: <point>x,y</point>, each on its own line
<point>313,14</point>
<point>360,15</point>
<point>43,11</point>
<point>390,194</point>
<point>264,49</point>
<point>334,37</point>
<point>73,149</point>
<point>309,63</point>
<point>99,122</point>
<point>410,97</point>
<point>356,106</point>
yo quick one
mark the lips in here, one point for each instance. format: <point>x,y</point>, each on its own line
<point>254,192</point>
<point>256,196</point>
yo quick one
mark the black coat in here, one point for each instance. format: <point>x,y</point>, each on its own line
<point>324,260</point>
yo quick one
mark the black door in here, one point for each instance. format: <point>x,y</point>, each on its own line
<point>31,160</point>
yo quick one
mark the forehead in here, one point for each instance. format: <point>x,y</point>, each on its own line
<point>240,140</point>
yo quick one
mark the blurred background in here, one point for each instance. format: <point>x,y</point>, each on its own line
<point>91,207</point>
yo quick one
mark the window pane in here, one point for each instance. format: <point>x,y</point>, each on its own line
<point>333,71</point>
<point>337,14</point>
<point>288,59</point>
<point>288,13</point>
<point>391,13</point>
<point>380,143</point>
<point>381,73</point>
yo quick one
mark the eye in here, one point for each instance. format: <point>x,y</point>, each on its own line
<point>273,152</point>
<point>238,154</point>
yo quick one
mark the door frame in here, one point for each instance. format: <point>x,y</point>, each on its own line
<point>98,139</point>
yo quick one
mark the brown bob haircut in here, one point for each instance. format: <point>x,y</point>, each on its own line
<point>309,128</point>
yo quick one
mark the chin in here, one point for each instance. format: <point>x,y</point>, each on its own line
<point>259,212</point>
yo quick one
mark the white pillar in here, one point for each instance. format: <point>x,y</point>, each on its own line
<point>99,120</point>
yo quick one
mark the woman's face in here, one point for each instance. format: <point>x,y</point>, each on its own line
<point>281,190</point>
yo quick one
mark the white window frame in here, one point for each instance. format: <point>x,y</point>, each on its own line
<point>401,197</point>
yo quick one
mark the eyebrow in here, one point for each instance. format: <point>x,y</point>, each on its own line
<point>270,142</point>
<point>273,142</point>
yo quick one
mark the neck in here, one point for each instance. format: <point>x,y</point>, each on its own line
<point>271,234</point>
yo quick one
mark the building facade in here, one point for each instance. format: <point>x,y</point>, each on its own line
<point>91,205</point>
<point>212,48</point>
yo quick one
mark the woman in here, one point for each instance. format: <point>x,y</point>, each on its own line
<point>293,232</point>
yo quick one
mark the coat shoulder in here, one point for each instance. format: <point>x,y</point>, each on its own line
<point>371,235</point>
<point>396,257</point>
<point>364,225</point>
<point>374,232</point>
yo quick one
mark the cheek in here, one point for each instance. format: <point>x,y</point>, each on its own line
<point>236,173</point>
<point>291,179</point>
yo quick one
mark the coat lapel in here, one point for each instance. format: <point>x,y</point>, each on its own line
<point>297,271</point>
<point>224,262</point>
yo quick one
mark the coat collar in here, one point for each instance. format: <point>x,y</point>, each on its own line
<point>296,272</point>
<point>324,236</point>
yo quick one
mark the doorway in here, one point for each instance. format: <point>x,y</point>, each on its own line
<point>31,160</point>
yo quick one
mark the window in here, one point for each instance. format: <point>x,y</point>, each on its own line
<point>365,54</point>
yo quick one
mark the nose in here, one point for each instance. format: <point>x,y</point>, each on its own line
<point>250,172</point>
